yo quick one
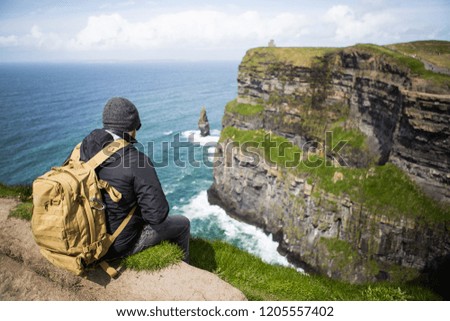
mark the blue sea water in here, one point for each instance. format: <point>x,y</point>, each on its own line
<point>46,109</point>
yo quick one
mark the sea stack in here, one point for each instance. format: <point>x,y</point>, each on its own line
<point>203,123</point>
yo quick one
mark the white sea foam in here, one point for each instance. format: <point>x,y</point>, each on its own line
<point>194,137</point>
<point>215,132</point>
<point>167,133</point>
<point>251,238</point>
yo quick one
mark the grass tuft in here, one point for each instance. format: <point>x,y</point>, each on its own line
<point>23,192</point>
<point>23,211</point>
<point>380,293</point>
<point>154,258</point>
<point>244,109</point>
<point>354,137</point>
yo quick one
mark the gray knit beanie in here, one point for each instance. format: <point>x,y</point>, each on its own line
<point>121,114</point>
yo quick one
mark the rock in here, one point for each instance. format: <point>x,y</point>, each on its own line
<point>308,189</point>
<point>203,123</point>
<point>338,176</point>
<point>26,275</point>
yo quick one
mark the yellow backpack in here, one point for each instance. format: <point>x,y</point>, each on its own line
<point>68,221</point>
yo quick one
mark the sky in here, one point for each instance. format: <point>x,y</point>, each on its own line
<point>136,30</point>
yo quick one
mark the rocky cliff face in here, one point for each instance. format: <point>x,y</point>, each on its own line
<point>404,124</point>
<point>324,233</point>
<point>388,115</point>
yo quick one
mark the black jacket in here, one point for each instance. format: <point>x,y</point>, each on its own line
<point>132,174</point>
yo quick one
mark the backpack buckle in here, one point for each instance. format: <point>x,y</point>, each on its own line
<point>97,204</point>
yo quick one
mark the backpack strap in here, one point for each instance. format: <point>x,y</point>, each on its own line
<point>93,163</point>
<point>106,152</point>
<point>74,155</point>
<point>76,152</point>
<point>112,272</point>
<point>111,238</point>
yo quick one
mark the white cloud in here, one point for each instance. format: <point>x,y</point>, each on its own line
<point>350,26</point>
<point>155,32</point>
<point>43,40</point>
<point>8,41</point>
<point>192,28</point>
<point>35,38</point>
<point>36,32</point>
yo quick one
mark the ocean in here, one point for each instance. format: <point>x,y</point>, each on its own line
<point>46,109</point>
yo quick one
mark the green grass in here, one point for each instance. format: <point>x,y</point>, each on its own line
<point>23,192</point>
<point>354,137</point>
<point>344,256</point>
<point>382,189</point>
<point>244,109</point>
<point>415,66</point>
<point>282,156</point>
<point>296,56</point>
<point>22,211</point>
<point>434,51</point>
<point>154,258</point>
<point>339,248</point>
<point>262,281</point>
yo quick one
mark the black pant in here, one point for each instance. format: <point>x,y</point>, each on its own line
<point>175,229</point>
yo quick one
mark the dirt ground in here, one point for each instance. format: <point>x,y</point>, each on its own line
<point>26,275</point>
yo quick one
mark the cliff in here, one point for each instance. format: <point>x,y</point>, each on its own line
<point>342,154</point>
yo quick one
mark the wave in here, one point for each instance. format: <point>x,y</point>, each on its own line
<point>245,236</point>
<point>194,137</point>
<point>168,133</point>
